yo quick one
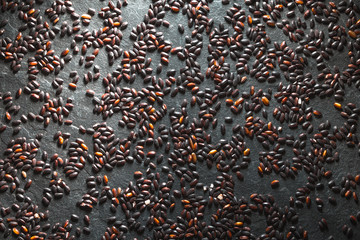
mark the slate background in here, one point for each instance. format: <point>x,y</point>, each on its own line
<point>82,114</point>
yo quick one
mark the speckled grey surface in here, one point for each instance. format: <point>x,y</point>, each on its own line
<point>82,114</point>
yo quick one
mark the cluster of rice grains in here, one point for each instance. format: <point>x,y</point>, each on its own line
<point>179,119</point>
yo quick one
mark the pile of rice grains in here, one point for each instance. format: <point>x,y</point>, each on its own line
<point>179,119</point>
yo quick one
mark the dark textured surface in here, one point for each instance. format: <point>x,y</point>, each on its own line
<point>82,113</point>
